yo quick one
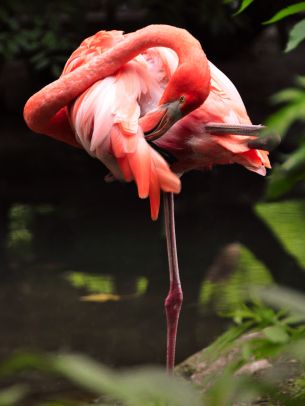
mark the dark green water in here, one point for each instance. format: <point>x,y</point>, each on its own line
<point>85,269</point>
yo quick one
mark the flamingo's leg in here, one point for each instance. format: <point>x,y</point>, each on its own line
<point>173,301</point>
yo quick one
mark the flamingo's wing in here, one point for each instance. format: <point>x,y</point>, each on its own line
<point>106,120</point>
<point>194,147</point>
<point>224,105</point>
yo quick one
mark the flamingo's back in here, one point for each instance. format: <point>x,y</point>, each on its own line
<point>106,121</point>
<point>106,118</point>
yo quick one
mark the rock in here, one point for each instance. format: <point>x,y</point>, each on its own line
<point>280,373</point>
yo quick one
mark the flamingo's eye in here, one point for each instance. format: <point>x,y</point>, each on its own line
<point>181,99</point>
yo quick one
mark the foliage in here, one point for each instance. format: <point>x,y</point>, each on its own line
<point>296,36</point>
<point>136,387</point>
<point>262,336</point>
<point>279,329</point>
<point>287,11</point>
<point>12,395</point>
<point>244,4</point>
<point>20,236</point>
<point>297,33</point>
<point>292,170</point>
<point>36,31</point>
<point>101,288</point>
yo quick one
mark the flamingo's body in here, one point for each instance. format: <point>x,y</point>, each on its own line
<point>195,148</point>
<point>106,120</point>
<point>111,99</point>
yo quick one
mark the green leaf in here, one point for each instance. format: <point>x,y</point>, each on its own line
<point>287,11</point>
<point>142,386</point>
<point>276,334</point>
<point>283,298</point>
<point>300,80</point>
<point>281,120</point>
<point>296,162</point>
<point>298,349</point>
<point>285,176</point>
<point>278,184</point>
<point>21,361</point>
<point>288,95</point>
<point>244,4</point>
<point>296,35</point>
<point>226,340</point>
<point>12,395</point>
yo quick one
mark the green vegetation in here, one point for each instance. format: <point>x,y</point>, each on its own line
<point>297,32</point>
<point>290,171</point>
<point>35,31</point>
<point>20,236</point>
<point>101,287</point>
<point>287,221</point>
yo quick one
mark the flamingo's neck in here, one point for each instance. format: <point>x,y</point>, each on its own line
<point>42,106</point>
<point>181,41</point>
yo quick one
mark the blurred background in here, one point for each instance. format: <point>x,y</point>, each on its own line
<point>82,266</point>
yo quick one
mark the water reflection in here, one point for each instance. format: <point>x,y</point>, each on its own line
<point>90,274</point>
<point>102,287</point>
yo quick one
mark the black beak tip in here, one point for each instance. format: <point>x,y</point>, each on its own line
<point>266,143</point>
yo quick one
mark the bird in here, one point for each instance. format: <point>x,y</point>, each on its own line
<point>150,106</point>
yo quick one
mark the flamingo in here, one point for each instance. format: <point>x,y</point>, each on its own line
<point>150,106</point>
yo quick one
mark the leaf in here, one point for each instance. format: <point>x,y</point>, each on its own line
<point>296,35</point>
<point>296,162</point>
<point>244,4</point>
<point>142,386</point>
<point>288,95</point>
<point>298,349</point>
<point>283,298</point>
<point>226,340</point>
<point>276,334</point>
<point>285,12</point>
<point>285,176</point>
<point>21,361</point>
<point>300,80</point>
<point>278,184</point>
<point>12,395</point>
<point>281,120</point>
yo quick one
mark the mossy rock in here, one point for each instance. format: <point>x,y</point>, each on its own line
<point>279,376</point>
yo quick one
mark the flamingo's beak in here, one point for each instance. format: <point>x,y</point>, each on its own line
<point>158,121</point>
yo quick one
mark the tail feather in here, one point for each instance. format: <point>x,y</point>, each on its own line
<point>169,181</point>
<point>106,123</point>
<point>139,162</point>
<point>125,169</point>
<point>145,166</point>
<point>154,192</point>
<point>253,159</point>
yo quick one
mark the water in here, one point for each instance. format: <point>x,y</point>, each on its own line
<point>93,281</point>
<point>84,269</point>
<point>59,255</point>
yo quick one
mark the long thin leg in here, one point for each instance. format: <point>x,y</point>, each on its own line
<point>173,301</point>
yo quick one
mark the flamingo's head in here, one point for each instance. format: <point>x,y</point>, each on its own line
<point>185,92</point>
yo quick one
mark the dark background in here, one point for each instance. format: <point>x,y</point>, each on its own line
<point>68,219</point>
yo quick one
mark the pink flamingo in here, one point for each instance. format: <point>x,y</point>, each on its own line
<point>138,100</point>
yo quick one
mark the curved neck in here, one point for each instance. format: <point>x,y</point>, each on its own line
<point>43,105</point>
